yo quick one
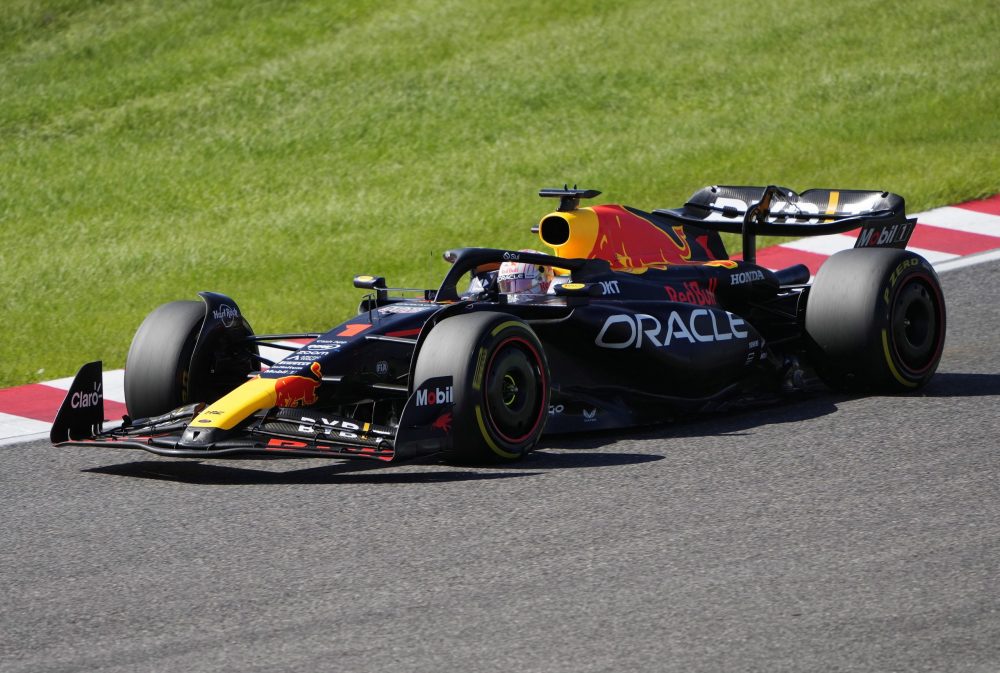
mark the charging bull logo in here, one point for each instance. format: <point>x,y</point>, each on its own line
<point>443,423</point>
<point>632,242</point>
<point>294,391</point>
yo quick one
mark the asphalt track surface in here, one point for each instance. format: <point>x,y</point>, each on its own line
<point>833,534</point>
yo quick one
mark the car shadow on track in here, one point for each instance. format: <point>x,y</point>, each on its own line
<point>728,423</point>
<point>194,472</point>
<point>817,402</point>
<point>558,452</point>
<point>948,384</point>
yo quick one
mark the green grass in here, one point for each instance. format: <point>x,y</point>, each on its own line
<point>271,150</point>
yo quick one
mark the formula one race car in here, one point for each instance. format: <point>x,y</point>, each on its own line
<point>635,317</point>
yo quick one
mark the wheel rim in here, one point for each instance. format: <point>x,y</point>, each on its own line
<point>514,390</point>
<point>916,325</point>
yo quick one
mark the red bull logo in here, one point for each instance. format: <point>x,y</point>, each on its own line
<point>629,241</point>
<point>443,423</point>
<point>624,238</point>
<point>692,292</point>
<point>294,391</point>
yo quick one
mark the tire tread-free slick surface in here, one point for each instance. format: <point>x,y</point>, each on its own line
<point>500,383</point>
<point>156,369</point>
<point>877,320</point>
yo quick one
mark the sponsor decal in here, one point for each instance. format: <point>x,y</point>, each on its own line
<point>630,241</point>
<point>325,346</point>
<point>443,423</point>
<point>692,292</point>
<point>873,237</point>
<point>85,400</point>
<point>756,351</point>
<point>303,356</point>
<point>427,397</point>
<point>589,415</point>
<point>556,409</point>
<point>701,326</point>
<point>292,391</point>
<point>781,208</point>
<point>746,277</point>
<point>511,256</point>
<point>338,427</point>
<point>778,208</point>
<point>402,308</point>
<point>609,287</point>
<point>227,314</point>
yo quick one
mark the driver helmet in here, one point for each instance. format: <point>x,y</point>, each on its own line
<point>524,278</point>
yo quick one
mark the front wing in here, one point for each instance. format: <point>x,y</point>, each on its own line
<point>279,432</point>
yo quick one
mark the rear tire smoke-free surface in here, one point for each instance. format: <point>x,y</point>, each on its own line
<point>500,383</point>
<point>877,320</point>
<point>157,369</point>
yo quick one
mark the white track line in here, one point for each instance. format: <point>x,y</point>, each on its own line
<point>968,260</point>
<point>114,384</point>
<point>18,429</point>
<point>960,219</point>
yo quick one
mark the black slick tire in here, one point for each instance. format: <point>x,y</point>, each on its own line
<point>500,384</point>
<point>157,369</point>
<point>876,320</point>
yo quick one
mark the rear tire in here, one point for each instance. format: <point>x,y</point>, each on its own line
<point>500,383</point>
<point>876,318</point>
<point>157,369</point>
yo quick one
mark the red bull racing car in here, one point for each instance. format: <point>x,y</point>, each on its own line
<point>634,317</point>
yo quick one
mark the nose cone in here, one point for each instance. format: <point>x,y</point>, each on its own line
<point>228,411</point>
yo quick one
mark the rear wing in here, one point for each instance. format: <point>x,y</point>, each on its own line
<point>779,211</point>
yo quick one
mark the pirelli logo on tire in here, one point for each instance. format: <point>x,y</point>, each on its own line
<point>477,378</point>
<point>897,272</point>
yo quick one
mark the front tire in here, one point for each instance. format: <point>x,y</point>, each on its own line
<point>500,383</point>
<point>876,319</point>
<point>157,368</point>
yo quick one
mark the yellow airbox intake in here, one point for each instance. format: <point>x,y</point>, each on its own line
<point>572,234</point>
